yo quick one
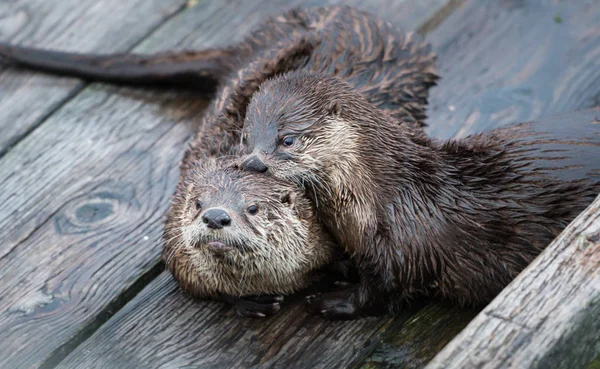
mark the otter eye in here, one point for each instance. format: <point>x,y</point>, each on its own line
<point>252,209</point>
<point>288,141</point>
<point>199,205</point>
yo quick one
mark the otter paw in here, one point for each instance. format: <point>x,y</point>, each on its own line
<point>337,305</point>
<point>258,306</point>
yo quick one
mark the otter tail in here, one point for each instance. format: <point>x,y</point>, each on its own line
<point>198,70</point>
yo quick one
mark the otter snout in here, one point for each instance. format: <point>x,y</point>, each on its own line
<point>254,164</point>
<point>216,218</point>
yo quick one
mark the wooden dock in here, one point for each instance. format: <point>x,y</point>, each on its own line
<point>87,171</point>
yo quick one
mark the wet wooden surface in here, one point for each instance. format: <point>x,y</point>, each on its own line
<point>83,194</point>
<point>162,328</point>
<point>26,99</point>
<point>505,62</point>
<point>514,61</point>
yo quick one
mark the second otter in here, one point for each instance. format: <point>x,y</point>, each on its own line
<point>459,219</point>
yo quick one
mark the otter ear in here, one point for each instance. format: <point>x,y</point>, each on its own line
<point>335,108</point>
<point>288,198</point>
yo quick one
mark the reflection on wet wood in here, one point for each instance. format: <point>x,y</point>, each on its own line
<point>512,61</point>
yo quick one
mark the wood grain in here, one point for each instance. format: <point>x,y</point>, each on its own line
<point>548,317</point>
<point>162,328</point>
<point>113,25</point>
<point>84,194</point>
<point>412,344</point>
<point>514,61</point>
<point>434,327</point>
<point>83,197</point>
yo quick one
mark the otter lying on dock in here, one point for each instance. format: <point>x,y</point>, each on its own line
<point>334,100</point>
<point>392,70</point>
<point>232,234</point>
<point>456,219</point>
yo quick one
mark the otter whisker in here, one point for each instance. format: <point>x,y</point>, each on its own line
<point>242,279</point>
<point>176,249</point>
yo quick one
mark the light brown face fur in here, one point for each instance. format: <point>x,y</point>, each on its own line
<point>271,252</point>
<point>320,116</point>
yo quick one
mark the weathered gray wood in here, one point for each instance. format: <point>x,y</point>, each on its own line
<point>412,344</point>
<point>548,317</point>
<point>409,14</point>
<point>595,364</point>
<point>83,196</point>
<point>113,25</point>
<point>162,328</point>
<point>514,61</point>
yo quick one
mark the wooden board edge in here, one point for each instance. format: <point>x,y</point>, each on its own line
<point>557,339</point>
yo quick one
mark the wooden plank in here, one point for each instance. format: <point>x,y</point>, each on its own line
<point>83,198</point>
<point>162,327</point>
<point>113,25</point>
<point>595,364</point>
<point>514,61</point>
<point>548,317</point>
<point>85,26</point>
<point>90,209</point>
<point>500,63</point>
<point>412,344</point>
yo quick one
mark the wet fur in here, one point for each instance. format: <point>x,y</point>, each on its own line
<point>453,219</point>
<point>392,70</point>
<point>274,251</point>
<point>306,46</point>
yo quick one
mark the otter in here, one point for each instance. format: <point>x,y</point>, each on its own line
<point>242,238</point>
<point>392,70</point>
<point>456,219</point>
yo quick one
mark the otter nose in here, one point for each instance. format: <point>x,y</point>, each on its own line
<point>254,164</point>
<point>216,218</point>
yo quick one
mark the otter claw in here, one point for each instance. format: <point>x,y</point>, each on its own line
<point>265,299</point>
<point>342,283</point>
<point>253,309</point>
<point>254,306</point>
<point>334,306</point>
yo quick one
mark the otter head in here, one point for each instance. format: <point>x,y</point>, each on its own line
<point>241,233</point>
<point>304,127</point>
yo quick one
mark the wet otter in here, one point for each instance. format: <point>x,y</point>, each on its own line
<point>232,234</point>
<point>458,219</point>
<point>392,70</point>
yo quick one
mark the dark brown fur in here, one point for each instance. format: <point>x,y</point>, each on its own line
<point>458,219</point>
<point>392,70</point>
